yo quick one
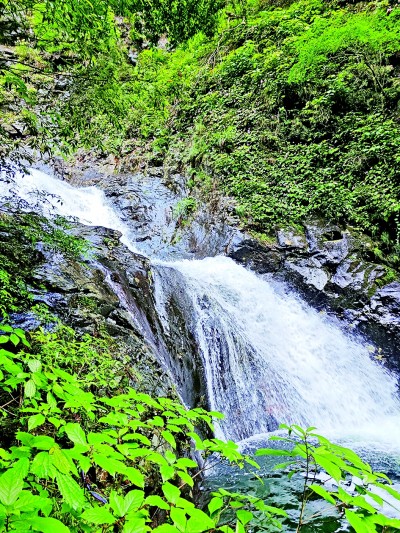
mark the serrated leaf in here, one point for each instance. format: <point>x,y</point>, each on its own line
<point>35,421</point>
<point>98,515</point>
<point>71,492</point>
<point>42,466</point>
<point>75,433</point>
<point>133,500</point>
<point>117,504</point>
<point>60,460</point>
<point>30,388</point>
<point>34,365</point>
<point>11,485</point>
<point>171,492</point>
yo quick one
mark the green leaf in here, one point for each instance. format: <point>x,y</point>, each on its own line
<point>215,504</point>
<point>75,433</point>
<point>35,421</point>
<point>117,504</point>
<point>133,500</point>
<point>34,365</point>
<point>30,388</point>
<point>178,517</point>
<point>358,524</point>
<point>47,525</point>
<point>157,501</point>
<point>42,442</point>
<point>199,522</point>
<point>134,476</point>
<point>42,466</point>
<point>98,515</point>
<point>71,492</point>
<point>171,492</point>
<point>11,485</point>
<point>136,525</point>
<point>14,339</point>
<point>60,460</point>
<point>167,435</point>
<point>324,493</point>
<point>185,462</point>
<point>329,467</point>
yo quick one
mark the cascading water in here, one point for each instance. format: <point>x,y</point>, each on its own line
<point>267,356</point>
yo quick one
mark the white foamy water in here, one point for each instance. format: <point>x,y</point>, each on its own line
<point>268,357</point>
<point>268,354</point>
<point>88,204</point>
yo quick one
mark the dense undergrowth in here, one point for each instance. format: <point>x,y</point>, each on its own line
<point>292,108</point>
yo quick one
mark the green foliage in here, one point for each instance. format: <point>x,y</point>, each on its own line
<point>21,235</point>
<point>84,48</point>
<point>80,451</point>
<point>357,493</point>
<point>293,112</point>
<point>184,208</point>
<point>96,453</point>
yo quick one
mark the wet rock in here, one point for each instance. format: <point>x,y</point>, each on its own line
<point>384,307</point>
<point>331,267</point>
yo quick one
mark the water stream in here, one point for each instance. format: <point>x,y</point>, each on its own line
<point>267,356</point>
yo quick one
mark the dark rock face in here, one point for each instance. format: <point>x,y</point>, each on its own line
<point>331,267</point>
<point>112,292</point>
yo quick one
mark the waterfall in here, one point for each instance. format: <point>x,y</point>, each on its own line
<point>268,357</point>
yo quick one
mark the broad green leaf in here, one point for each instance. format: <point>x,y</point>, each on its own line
<point>215,504</point>
<point>330,468</point>
<point>60,460</point>
<point>42,442</point>
<point>71,492</point>
<point>35,421</point>
<point>171,492</point>
<point>98,515</point>
<point>47,525</point>
<point>42,466</point>
<point>133,500</point>
<point>358,524</point>
<point>11,485</point>
<point>34,365</point>
<point>185,462</point>
<point>323,493</point>
<point>167,435</point>
<point>178,517</point>
<point>136,525</point>
<point>199,522</point>
<point>75,433</point>
<point>30,388</point>
<point>134,476</point>
<point>117,504</point>
<point>157,501</point>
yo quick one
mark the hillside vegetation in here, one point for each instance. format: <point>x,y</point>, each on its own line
<point>292,108</point>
